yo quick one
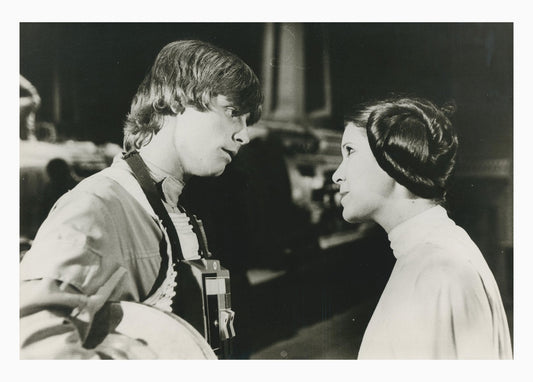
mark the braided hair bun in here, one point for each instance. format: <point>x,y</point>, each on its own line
<point>413,141</point>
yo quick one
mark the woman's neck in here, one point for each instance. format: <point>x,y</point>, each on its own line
<point>396,211</point>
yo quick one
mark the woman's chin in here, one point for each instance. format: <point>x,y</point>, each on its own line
<point>352,217</point>
<point>348,216</point>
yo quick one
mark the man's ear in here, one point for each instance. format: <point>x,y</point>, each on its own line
<point>177,108</point>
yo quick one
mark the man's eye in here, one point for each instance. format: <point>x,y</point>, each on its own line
<point>231,112</point>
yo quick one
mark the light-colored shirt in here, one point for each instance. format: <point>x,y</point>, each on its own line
<point>100,242</point>
<point>441,300</point>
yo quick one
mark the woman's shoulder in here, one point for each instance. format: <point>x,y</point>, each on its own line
<point>448,264</point>
<point>448,244</point>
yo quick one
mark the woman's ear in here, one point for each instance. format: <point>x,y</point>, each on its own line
<point>401,192</point>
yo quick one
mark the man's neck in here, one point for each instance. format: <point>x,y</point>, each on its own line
<point>161,157</point>
<point>171,186</point>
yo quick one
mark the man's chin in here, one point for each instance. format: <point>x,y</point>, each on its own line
<point>211,171</point>
<point>215,172</point>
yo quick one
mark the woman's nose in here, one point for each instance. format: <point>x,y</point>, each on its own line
<point>337,176</point>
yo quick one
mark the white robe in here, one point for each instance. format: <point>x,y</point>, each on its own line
<point>441,300</point>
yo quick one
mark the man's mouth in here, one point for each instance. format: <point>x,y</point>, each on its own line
<point>231,154</point>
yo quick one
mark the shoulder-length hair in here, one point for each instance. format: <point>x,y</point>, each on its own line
<point>189,73</point>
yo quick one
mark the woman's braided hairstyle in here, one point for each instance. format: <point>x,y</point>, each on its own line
<point>413,141</point>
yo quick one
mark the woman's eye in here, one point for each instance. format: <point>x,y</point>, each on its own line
<point>349,150</point>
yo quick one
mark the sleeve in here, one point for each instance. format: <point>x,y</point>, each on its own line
<point>70,272</point>
<point>451,313</point>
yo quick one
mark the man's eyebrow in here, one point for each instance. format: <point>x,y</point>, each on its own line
<point>229,104</point>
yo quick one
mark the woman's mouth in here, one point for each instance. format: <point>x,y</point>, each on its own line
<point>342,195</point>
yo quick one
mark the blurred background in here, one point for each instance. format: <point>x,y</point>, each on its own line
<point>304,283</point>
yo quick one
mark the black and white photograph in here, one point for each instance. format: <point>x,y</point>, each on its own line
<point>267,191</point>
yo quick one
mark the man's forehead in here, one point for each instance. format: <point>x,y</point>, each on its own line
<point>222,100</point>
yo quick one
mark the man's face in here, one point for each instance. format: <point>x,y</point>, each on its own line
<point>364,186</point>
<point>206,141</point>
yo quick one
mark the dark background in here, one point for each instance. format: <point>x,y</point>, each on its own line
<point>87,74</point>
<point>99,66</point>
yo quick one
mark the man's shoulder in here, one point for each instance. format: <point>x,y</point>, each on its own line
<point>98,186</point>
<point>109,181</point>
<point>113,191</point>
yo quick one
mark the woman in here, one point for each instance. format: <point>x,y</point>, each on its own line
<point>441,300</point>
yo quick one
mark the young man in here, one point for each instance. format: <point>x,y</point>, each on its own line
<point>103,241</point>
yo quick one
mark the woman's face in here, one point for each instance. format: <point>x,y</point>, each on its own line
<point>364,186</point>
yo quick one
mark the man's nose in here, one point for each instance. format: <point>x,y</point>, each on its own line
<point>242,135</point>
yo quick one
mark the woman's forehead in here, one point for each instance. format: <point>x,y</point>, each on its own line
<point>352,132</point>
